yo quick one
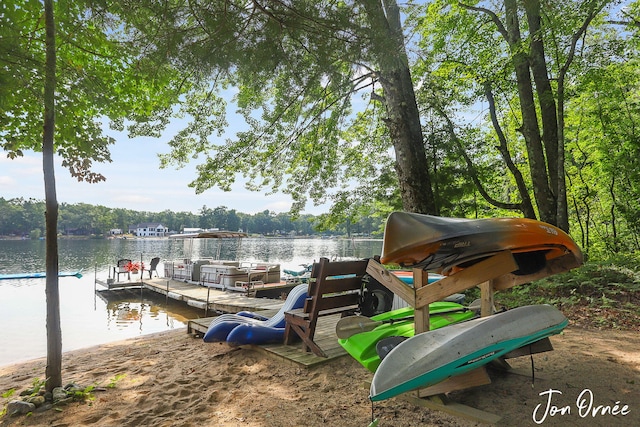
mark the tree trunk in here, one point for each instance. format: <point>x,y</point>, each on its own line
<point>54,333</point>
<point>530,128</point>
<point>406,133</point>
<point>403,116</point>
<point>546,97</point>
<point>562,204</point>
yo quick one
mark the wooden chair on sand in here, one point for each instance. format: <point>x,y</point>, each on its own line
<point>334,288</point>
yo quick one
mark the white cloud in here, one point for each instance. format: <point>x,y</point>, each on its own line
<point>278,206</point>
<point>6,180</point>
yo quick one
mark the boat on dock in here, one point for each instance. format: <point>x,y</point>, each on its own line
<point>226,275</point>
<point>209,283</point>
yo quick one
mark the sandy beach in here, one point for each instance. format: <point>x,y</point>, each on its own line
<point>174,379</point>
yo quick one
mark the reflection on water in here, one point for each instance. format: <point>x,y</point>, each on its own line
<point>128,306</point>
<point>88,320</point>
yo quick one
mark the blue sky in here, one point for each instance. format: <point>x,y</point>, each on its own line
<point>134,181</point>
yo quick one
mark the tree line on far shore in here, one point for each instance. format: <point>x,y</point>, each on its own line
<point>25,217</point>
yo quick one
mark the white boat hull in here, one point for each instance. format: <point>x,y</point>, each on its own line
<point>434,356</point>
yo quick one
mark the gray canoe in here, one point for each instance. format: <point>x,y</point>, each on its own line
<point>431,357</point>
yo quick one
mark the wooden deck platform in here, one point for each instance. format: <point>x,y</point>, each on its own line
<point>325,337</point>
<point>130,284</point>
<point>211,300</point>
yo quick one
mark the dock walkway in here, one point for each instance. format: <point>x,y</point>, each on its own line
<point>208,299</point>
<point>211,298</point>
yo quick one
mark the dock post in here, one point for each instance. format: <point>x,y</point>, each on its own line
<point>206,307</point>
<point>166,298</point>
<point>95,287</point>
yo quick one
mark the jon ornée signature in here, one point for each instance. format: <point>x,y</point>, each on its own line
<point>584,407</point>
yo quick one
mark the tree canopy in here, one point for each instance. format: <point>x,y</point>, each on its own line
<point>21,218</point>
<point>530,123</point>
<point>101,80</point>
<point>300,72</point>
<point>64,68</point>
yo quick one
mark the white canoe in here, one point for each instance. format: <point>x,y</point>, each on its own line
<point>434,356</point>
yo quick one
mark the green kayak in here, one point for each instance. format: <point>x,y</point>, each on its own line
<point>362,346</point>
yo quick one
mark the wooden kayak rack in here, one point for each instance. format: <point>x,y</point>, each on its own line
<point>491,274</point>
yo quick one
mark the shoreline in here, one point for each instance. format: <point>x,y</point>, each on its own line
<point>91,348</point>
<point>170,378</point>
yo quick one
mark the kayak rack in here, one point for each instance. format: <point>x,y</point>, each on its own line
<point>490,275</point>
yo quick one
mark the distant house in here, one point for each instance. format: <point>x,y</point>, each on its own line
<point>115,231</point>
<point>149,229</point>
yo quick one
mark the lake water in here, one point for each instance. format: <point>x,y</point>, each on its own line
<point>88,319</point>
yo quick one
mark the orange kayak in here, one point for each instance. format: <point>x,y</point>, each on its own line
<point>446,245</point>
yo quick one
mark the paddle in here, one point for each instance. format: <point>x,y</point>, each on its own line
<point>351,325</point>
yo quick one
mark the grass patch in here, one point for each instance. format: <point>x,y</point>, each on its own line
<point>601,294</point>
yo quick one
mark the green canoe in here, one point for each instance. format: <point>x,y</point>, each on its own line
<point>362,346</point>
